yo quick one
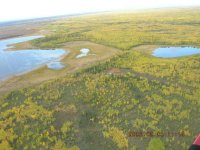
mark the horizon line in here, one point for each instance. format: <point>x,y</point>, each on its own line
<point>92,12</point>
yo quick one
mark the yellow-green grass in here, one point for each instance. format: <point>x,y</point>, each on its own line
<point>128,29</point>
<point>96,107</point>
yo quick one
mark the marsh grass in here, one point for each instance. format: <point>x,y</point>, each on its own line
<point>96,107</point>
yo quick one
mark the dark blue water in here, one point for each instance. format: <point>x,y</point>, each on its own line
<point>17,62</point>
<point>171,52</point>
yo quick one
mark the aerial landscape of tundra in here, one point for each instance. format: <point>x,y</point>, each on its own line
<point>100,75</point>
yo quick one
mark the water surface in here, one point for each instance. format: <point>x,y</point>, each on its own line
<point>84,53</point>
<point>171,52</point>
<point>17,62</point>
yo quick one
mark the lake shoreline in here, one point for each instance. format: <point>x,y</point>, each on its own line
<point>73,65</point>
<point>15,63</point>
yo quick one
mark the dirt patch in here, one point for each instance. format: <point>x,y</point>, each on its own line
<point>118,71</point>
<point>123,71</point>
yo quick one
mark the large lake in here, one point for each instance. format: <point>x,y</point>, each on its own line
<point>17,62</point>
<point>171,52</point>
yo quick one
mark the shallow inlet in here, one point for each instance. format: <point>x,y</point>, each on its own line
<point>172,52</point>
<point>21,61</point>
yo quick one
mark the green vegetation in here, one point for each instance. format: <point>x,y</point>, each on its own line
<point>97,107</point>
<point>156,144</point>
<point>126,30</point>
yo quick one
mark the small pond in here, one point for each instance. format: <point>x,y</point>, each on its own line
<point>171,52</point>
<point>84,53</point>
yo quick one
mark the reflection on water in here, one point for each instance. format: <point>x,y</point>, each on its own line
<point>18,62</point>
<point>170,52</point>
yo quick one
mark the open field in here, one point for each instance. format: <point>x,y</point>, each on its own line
<point>128,29</point>
<point>100,101</point>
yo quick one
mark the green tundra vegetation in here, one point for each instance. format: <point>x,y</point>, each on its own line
<point>127,30</point>
<point>98,107</point>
